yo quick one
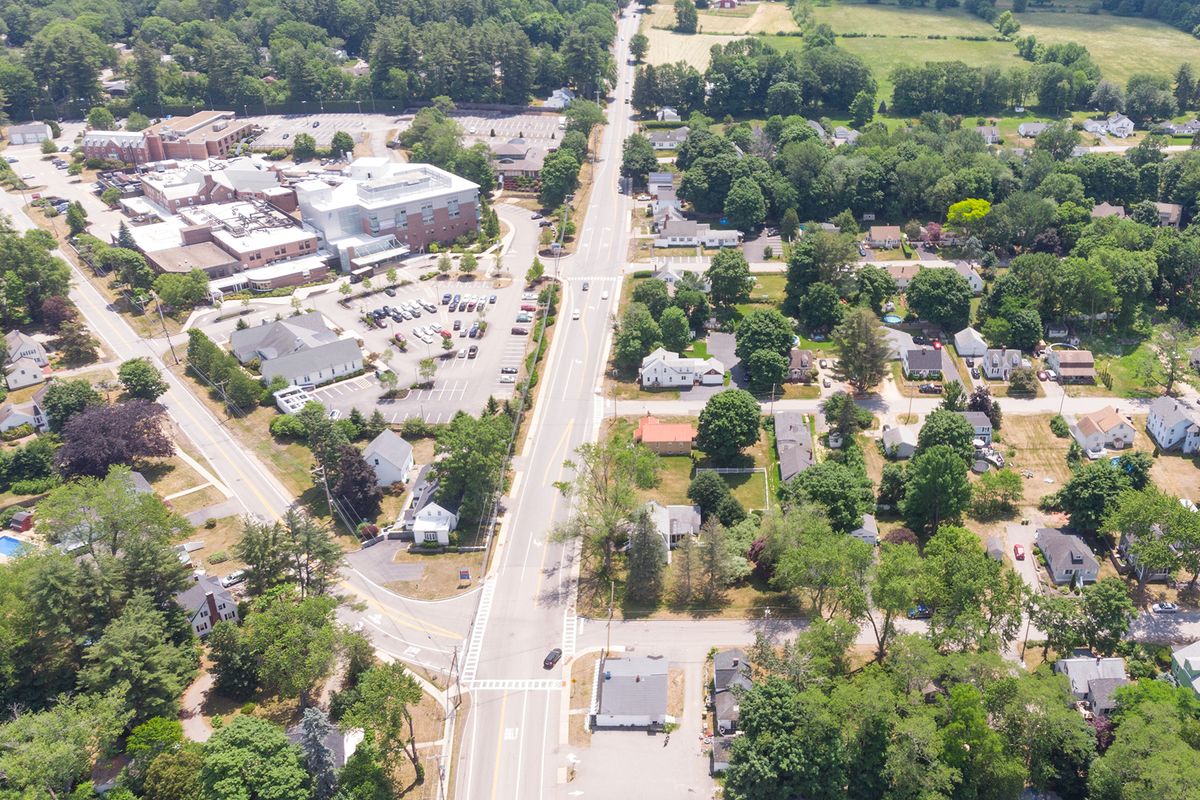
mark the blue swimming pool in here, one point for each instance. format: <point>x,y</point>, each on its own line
<point>10,546</point>
<point>892,319</point>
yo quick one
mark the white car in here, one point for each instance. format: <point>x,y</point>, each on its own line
<point>604,295</point>
<point>508,379</point>
<point>575,314</point>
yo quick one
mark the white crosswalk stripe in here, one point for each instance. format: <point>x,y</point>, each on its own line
<point>514,685</point>
<point>471,664</point>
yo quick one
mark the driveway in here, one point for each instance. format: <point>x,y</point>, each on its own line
<point>722,346</point>
<point>754,249</point>
<point>376,563</point>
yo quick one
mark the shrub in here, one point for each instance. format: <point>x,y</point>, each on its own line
<point>219,557</point>
<point>249,708</point>
<point>287,427</point>
<point>210,523</point>
<point>1059,426</point>
<point>20,431</point>
<point>34,486</point>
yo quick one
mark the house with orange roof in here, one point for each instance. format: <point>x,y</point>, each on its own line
<point>665,438</point>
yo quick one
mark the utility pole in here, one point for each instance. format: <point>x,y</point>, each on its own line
<point>163,321</point>
<point>334,508</point>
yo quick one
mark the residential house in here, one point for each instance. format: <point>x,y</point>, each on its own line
<point>801,365</point>
<point>927,362</point>
<point>659,180</point>
<point>1189,128</point>
<point>1095,126</point>
<point>902,274</point>
<point>1030,130</point>
<point>631,693</point>
<point>1169,214</point>
<point>433,523</point>
<point>1103,429</point>
<point>23,372</point>
<point>559,99</point>
<point>666,207</point>
<point>1142,573</point>
<point>1068,558</point>
<point>793,444</point>
<point>886,237</point>
<point>999,364</point>
<point>980,423</point>
<point>900,442</point>
<point>1174,424</point>
<point>674,522</point>
<point>665,439</point>
<point>29,133</point>
<point>668,139</point>
<point>844,135</point>
<point>340,744</point>
<point>1072,366</point>
<point>390,457</point>
<point>205,603</point>
<point>26,360</point>
<point>667,114</point>
<point>1107,209</point>
<point>663,368</point>
<point>722,746</point>
<point>868,531</point>
<point>1185,666</point>
<point>818,129</point>
<point>14,416</point>
<point>300,349</point>
<point>1094,679</point>
<point>1119,125</point>
<point>969,343</point>
<point>690,233</point>
<point>968,273</point>
<point>731,677</point>
<point>671,276</point>
<point>990,134</point>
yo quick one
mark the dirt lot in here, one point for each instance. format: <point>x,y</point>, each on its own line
<point>1028,444</point>
<point>583,671</point>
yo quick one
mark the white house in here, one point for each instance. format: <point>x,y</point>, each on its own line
<point>29,133</point>
<point>20,345</point>
<point>973,278</point>
<point>868,531</point>
<point>674,522</point>
<point>1068,558</point>
<point>631,693</point>
<point>390,457</point>
<point>14,416</point>
<point>669,139</point>
<point>999,364</point>
<point>663,368</point>
<point>927,362</point>
<point>1030,130</point>
<point>1174,425</point>
<point>1101,430</point>
<point>884,236</point>
<point>300,349</point>
<point>672,275</point>
<point>981,424</point>
<point>900,442</point>
<point>206,602</point>
<point>23,372</point>
<point>689,233</point>
<point>1119,125</point>
<point>1093,679</point>
<point>969,343</point>
<point>433,523</point>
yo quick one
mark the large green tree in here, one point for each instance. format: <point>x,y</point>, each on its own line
<point>729,423</point>
<point>251,758</point>
<point>936,491</point>
<point>941,296</point>
<point>862,348</point>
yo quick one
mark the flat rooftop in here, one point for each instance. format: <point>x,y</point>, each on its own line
<point>204,255</point>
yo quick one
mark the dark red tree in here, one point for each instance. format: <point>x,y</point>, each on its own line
<point>99,437</point>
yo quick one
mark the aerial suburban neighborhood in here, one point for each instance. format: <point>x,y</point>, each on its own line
<point>754,400</point>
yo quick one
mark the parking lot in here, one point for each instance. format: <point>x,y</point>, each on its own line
<point>281,130</point>
<point>496,128</point>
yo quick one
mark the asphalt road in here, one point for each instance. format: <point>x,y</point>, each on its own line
<point>511,746</point>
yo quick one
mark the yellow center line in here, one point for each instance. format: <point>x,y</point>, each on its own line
<point>499,746</point>
<point>400,618</point>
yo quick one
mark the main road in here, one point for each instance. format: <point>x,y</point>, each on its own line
<point>510,745</point>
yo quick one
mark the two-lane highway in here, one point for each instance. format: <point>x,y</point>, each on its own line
<point>510,747</point>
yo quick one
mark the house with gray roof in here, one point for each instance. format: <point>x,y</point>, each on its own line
<point>390,457</point>
<point>674,522</point>
<point>300,349</point>
<point>1094,679</point>
<point>731,677</point>
<point>927,362</point>
<point>205,603</point>
<point>1185,666</point>
<point>980,423</point>
<point>1030,130</point>
<point>900,442</point>
<point>998,364</point>
<point>868,531</point>
<point>668,139</point>
<point>990,134</point>
<point>793,444</point>
<point>1068,558</point>
<point>1174,425</point>
<point>631,692</point>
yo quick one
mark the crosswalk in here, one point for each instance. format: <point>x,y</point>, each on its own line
<point>471,664</point>
<point>514,685</point>
<point>570,631</point>
<point>593,278</point>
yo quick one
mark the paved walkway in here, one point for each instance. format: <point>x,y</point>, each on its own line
<point>191,709</point>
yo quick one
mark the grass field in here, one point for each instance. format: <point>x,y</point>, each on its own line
<point>747,19</point>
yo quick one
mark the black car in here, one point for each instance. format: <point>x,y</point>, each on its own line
<point>458,324</point>
<point>508,370</point>
<point>920,612</point>
<point>920,340</point>
<point>472,351</point>
<point>552,658</point>
<point>446,299</point>
<point>520,331</point>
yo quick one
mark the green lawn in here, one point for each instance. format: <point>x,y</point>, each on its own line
<point>894,21</point>
<point>699,349</point>
<point>769,288</point>
<point>750,488</point>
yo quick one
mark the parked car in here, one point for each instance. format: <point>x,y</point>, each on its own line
<point>552,658</point>
<point>458,324</point>
<point>517,331</point>
<point>390,292</point>
<point>492,300</point>
<point>920,340</point>
<point>826,383</point>
<point>536,216</point>
<point>457,299</point>
<point>1164,608</point>
<point>524,317</point>
<point>233,578</point>
<point>508,370</point>
<point>446,299</point>
<point>823,363</point>
<point>472,351</point>
<point>937,345</point>
<point>335,414</point>
<point>585,285</point>
<point>528,307</point>
<point>975,373</point>
<point>1018,552</point>
<point>1042,375</point>
<point>929,388</point>
<point>920,612</point>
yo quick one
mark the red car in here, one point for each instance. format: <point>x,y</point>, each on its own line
<point>445,333</point>
<point>1019,552</point>
<point>937,345</point>
<point>528,307</point>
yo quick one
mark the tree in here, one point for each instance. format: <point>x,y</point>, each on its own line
<point>892,588</point>
<point>686,18</point>
<point>647,555</point>
<point>57,310</point>
<point>720,561</point>
<point>66,398</point>
<point>967,216</point>
<point>1089,494</point>
<point>77,220</point>
<point>136,657</point>
<point>357,488</point>
<point>653,294</point>
<point>997,493</point>
<point>560,177</point>
<point>251,758</point>
<point>314,556</point>
<point>100,118</point>
<point>728,423</point>
<point>1058,139</point>
<point>182,291</point>
<point>874,285</point>
<point>637,158</point>
<point>584,116</point>
<point>862,348</point>
<point>676,331</point>
<point>711,492</point>
<point>1155,527</point>
<point>943,427</point>
<point>295,642</point>
<point>937,490</point>
<point>745,206</point>
<point>820,310</point>
<point>147,741</point>
<point>263,549</point>
<point>1149,96</point>
<point>175,774</point>
<point>535,272</point>
<point>764,329</point>
<point>1059,618</point>
<point>426,368</point>
<point>941,296</point>
<point>234,663</point>
<point>862,109</point>
<point>387,695</point>
<point>976,600</point>
<point>101,436</point>
<point>843,491</point>
<point>77,344</point>
<point>639,45</point>
<point>729,276</point>
<point>341,144</point>
<point>471,454</point>
<point>843,416</point>
<point>1107,97</point>
<point>1169,362</point>
<point>1022,381</point>
<point>318,758</point>
<point>304,147</point>
<point>955,397</point>
<point>1107,611</point>
<point>981,401</point>
<point>892,484</point>
<point>141,379</point>
<point>766,370</point>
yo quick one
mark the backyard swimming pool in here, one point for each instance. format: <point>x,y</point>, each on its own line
<point>10,546</point>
